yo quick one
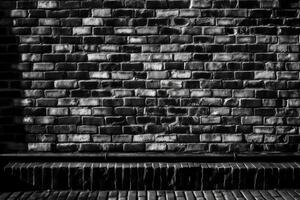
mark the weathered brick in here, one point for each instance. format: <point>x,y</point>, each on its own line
<point>122,75</point>
<point>67,102</point>
<point>89,102</point>
<point>158,74</point>
<point>232,138</point>
<point>61,84</point>
<point>201,4</point>
<point>210,120</point>
<point>178,93</point>
<point>58,111</point>
<point>39,147</point>
<point>181,74</point>
<point>47,4</point>
<point>156,147</point>
<point>87,129</point>
<point>263,129</point>
<point>210,138</point>
<point>92,22</point>
<point>73,138</point>
<point>60,48</point>
<point>143,138</point>
<point>55,93</point>
<point>153,66</point>
<point>82,30</point>
<point>101,12</point>
<point>145,93</point>
<point>80,111</point>
<point>99,75</point>
<point>97,57</point>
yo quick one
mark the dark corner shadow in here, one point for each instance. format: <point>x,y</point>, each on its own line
<point>12,132</point>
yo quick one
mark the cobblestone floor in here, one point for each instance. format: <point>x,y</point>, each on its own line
<point>155,195</point>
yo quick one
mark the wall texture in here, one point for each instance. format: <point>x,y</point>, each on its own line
<point>150,75</point>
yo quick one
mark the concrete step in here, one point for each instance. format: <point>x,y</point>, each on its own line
<point>156,195</point>
<point>152,176</point>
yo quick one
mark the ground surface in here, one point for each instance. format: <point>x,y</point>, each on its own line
<point>156,195</point>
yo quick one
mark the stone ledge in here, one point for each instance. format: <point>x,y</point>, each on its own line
<point>154,195</point>
<point>153,175</point>
<point>150,157</point>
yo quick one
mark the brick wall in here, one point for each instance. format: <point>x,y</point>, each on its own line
<point>150,75</point>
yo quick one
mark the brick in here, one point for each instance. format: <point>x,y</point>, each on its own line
<point>55,93</point>
<point>44,120</point>
<point>264,75</point>
<point>158,74</point>
<point>250,102</point>
<point>210,138</point>
<point>39,147</point>
<point>263,129</point>
<point>125,111</point>
<point>31,57</point>
<point>143,138</point>
<point>101,12</point>
<point>264,30</point>
<point>82,30</point>
<point>147,30</point>
<point>201,4</point>
<point>32,75</point>
<point>122,75</point>
<point>47,4</point>
<point>219,111</point>
<point>232,138</point>
<point>156,147</point>
<point>210,120</point>
<point>252,120</point>
<point>293,102</point>
<point>145,93</point>
<point>58,111</point>
<point>288,57</point>
<point>73,138</point>
<point>89,102</point>
<point>99,75</point>
<point>218,147</point>
<point>137,147</point>
<point>181,74</point>
<point>253,138</point>
<point>67,102</point>
<point>112,4</point>
<point>101,138</point>
<point>53,58</point>
<point>97,57</point>
<point>273,121</point>
<point>18,13</point>
<point>178,93</point>
<point>80,111</point>
<point>123,93</point>
<point>153,66</point>
<point>213,31</point>
<point>87,129</point>
<point>61,84</point>
<point>124,31</point>
<point>63,48</point>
